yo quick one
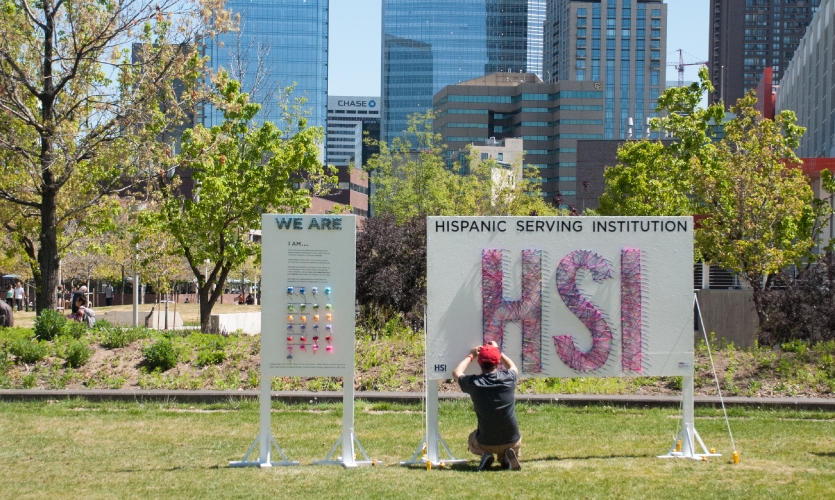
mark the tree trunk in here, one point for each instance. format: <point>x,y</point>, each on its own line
<point>759,305</point>
<point>47,279</point>
<point>207,300</point>
<point>48,260</point>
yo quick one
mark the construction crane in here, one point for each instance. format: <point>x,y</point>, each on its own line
<point>681,64</point>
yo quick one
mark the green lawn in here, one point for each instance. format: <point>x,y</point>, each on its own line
<point>77,449</point>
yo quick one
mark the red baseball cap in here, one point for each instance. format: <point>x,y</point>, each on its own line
<point>490,355</point>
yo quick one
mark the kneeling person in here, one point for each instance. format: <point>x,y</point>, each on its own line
<point>493,395</point>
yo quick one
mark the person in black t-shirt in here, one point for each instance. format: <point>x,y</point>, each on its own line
<point>493,395</point>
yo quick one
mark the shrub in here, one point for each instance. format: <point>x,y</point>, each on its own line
<point>74,329</point>
<point>392,272</point>
<point>210,357</point>
<point>103,324</point>
<point>160,355</point>
<point>28,350</point>
<point>49,324</point>
<point>211,350</point>
<point>804,308</point>
<point>29,381</point>
<point>78,353</point>
<point>116,338</point>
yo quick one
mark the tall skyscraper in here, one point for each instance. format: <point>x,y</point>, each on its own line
<point>746,37</point>
<point>619,43</point>
<point>429,44</point>
<point>280,43</point>
<point>807,85</point>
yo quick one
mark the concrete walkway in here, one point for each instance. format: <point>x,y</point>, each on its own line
<point>826,404</point>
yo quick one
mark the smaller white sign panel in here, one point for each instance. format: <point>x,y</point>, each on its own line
<point>307,302</point>
<point>563,296</point>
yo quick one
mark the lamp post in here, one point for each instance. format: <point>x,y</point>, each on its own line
<point>136,287</point>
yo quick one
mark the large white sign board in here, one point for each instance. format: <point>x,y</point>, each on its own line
<point>307,318</point>
<point>563,296</point>
<point>307,303</point>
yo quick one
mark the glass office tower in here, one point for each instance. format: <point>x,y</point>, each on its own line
<point>620,45</point>
<point>429,44</point>
<point>291,39</point>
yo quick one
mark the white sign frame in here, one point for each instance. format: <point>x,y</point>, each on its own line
<point>461,249</point>
<point>308,317</point>
<point>586,266</point>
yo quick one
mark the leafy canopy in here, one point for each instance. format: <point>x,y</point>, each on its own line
<point>240,170</point>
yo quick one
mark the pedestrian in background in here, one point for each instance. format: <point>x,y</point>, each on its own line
<point>10,295</point>
<point>19,295</point>
<point>108,294</point>
<point>80,292</point>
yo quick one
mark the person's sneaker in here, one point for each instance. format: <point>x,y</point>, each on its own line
<point>486,461</point>
<point>512,460</point>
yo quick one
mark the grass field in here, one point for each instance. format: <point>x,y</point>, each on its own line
<point>78,449</point>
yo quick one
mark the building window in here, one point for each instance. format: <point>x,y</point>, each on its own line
<point>483,156</point>
<point>653,93</point>
<point>581,53</point>
<point>653,77</point>
<point>501,156</point>
<point>655,23</point>
<point>581,12</point>
<point>656,13</point>
<point>581,42</point>
<point>581,32</point>
<point>581,21</point>
<point>581,75</point>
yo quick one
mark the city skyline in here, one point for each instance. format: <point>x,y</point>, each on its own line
<point>355,64</point>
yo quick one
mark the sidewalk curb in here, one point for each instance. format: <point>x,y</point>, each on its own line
<point>183,396</point>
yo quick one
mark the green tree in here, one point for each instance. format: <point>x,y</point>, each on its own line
<point>412,179</point>
<point>763,215</point>
<point>85,88</point>
<point>241,169</point>
<point>654,178</point>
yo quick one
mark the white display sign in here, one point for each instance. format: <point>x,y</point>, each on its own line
<point>307,308</point>
<point>563,296</point>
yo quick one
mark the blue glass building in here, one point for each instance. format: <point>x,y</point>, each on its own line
<point>429,44</point>
<point>292,38</point>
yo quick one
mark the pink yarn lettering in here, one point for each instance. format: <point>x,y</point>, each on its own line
<point>584,309</point>
<point>631,309</point>
<point>496,311</point>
